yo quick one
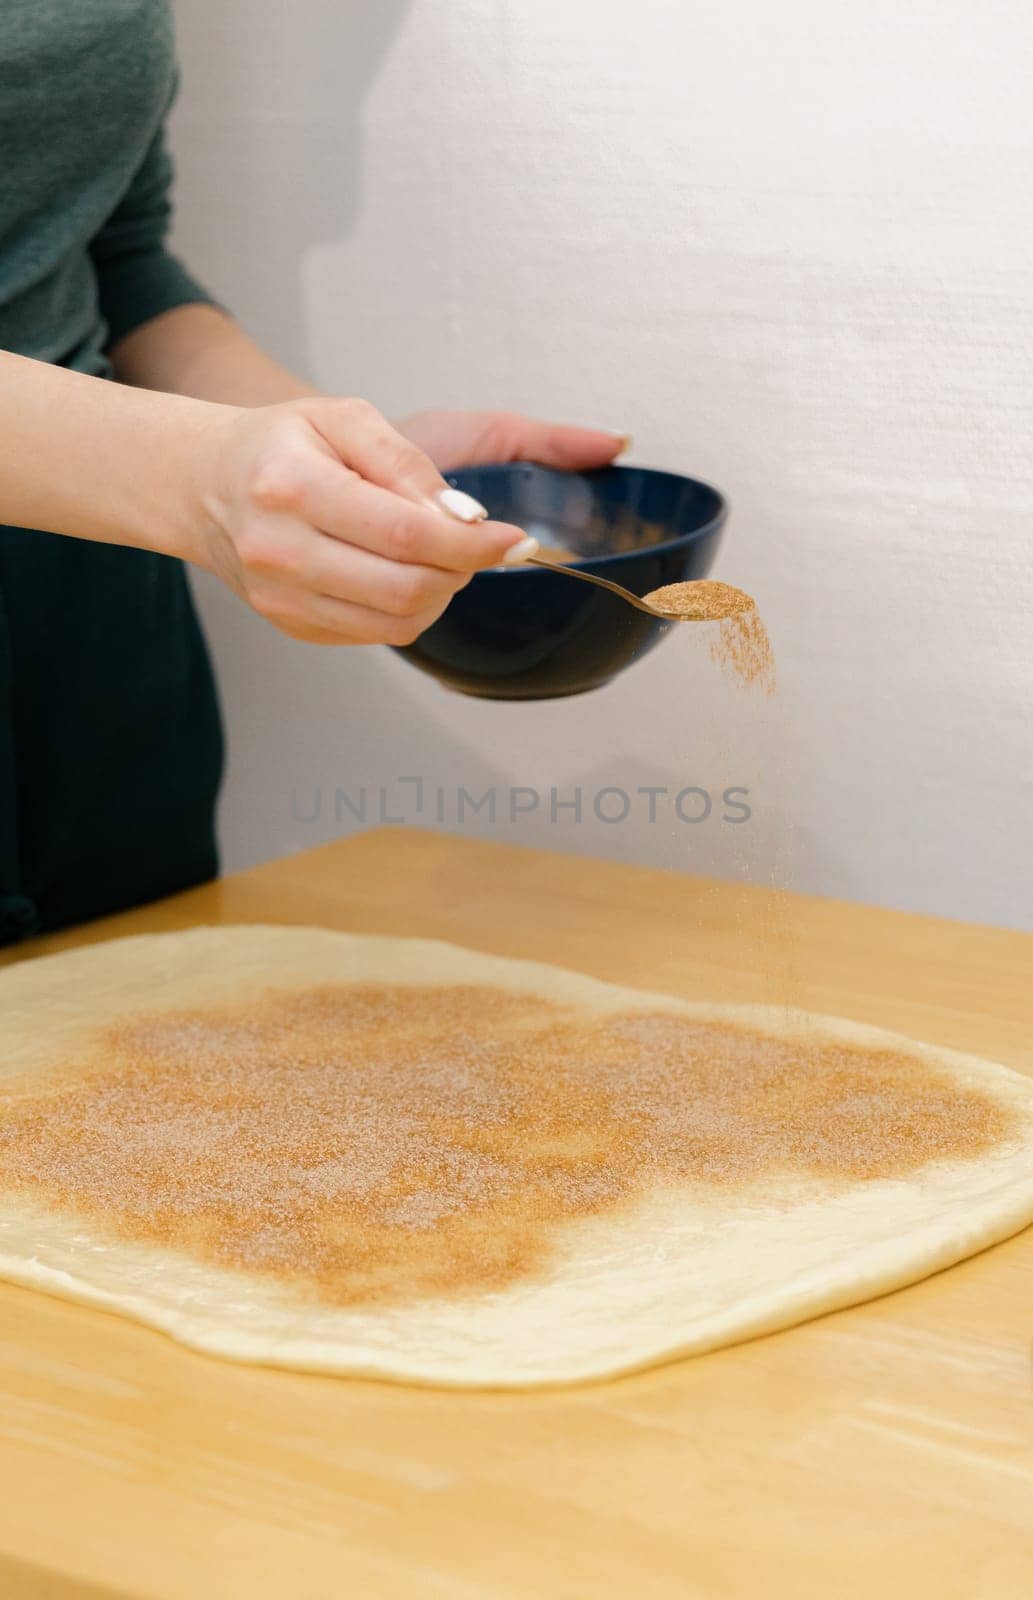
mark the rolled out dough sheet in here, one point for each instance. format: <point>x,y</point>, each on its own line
<point>403,1159</point>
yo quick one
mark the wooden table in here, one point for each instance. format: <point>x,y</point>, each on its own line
<point>883,1451</point>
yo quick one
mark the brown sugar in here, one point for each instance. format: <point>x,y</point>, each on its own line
<point>701,601</point>
<point>742,647</point>
<point>382,1143</point>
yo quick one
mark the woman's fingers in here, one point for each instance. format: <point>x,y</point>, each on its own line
<point>510,437</point>
<point>464,438</point>
<point>298,557</point>
<point>557,444</point>
<point>325,619</point>
<point>396,588</point>
<point>365,441</point>
<point>336,500</point>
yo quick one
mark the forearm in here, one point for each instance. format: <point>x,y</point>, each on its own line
<point>198,350</point>
<point>96,460</point>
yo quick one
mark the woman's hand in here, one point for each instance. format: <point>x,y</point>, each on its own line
<point>467,438</point>
<point>335,527</point>
<point>327,520</point>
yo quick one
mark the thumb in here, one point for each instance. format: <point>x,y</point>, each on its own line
<point>559,444</point>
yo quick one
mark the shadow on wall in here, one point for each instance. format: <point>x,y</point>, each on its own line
<point>266,140</point>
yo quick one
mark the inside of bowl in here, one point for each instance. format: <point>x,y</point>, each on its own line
<point>602,535</point>
<point>588,516</point>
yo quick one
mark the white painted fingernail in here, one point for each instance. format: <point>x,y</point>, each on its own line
<point>519,552</point>
<point>462,506</point>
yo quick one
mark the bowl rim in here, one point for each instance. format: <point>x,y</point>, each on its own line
<point>710,526</point>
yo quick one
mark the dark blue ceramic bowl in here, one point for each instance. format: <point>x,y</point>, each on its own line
<point>524,634</point>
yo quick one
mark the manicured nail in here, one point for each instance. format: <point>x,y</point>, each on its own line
<point>520,551</point>
<point>462,506</point>
<point>625,440</point>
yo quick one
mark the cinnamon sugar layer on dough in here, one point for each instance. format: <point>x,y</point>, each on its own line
<point>379,1143</point>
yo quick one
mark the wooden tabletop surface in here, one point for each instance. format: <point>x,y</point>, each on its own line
<point>883,1451</point>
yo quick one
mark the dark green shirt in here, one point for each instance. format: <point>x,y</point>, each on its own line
<point>110,747</point>
<point>84,176</point>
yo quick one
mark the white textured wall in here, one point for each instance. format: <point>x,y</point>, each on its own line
<point>790,248</point>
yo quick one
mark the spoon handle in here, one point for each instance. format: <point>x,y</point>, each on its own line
<point>600,583</point>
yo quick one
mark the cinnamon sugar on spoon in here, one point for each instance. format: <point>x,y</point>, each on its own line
<point>742,648</point>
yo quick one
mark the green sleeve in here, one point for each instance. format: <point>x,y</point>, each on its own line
<point>137,278</point>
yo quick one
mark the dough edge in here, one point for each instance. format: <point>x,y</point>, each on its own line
<point>998,1205</point>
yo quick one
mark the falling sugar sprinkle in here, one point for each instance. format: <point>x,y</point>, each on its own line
<point>742,648</point>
